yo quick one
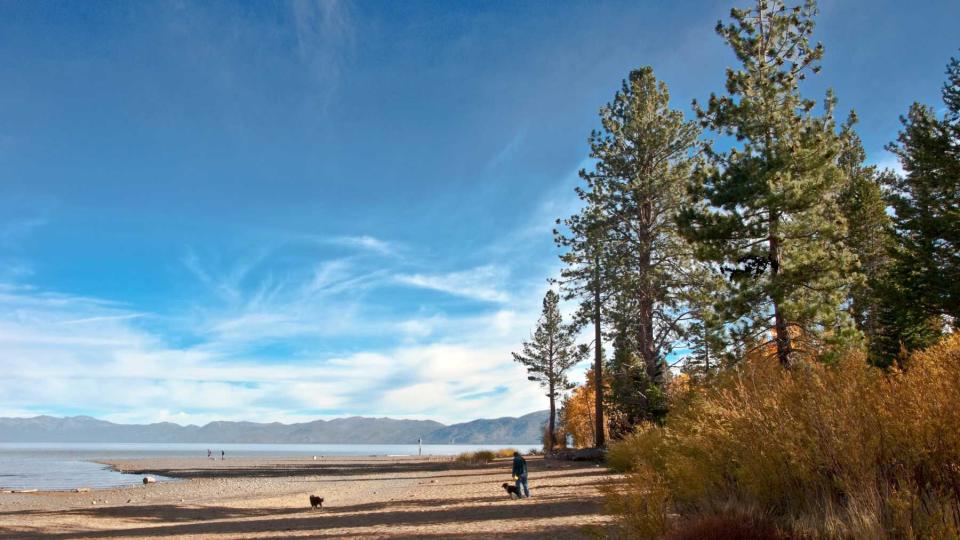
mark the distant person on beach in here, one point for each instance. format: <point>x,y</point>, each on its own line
<point>223,455</point>
<point>209,454</point>
<point>520,474</point>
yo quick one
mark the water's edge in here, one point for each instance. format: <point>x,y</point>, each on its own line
<point>60,467</point>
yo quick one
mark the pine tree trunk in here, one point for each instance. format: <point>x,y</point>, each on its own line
<point>706,351</point>
<point>780,324</point>
<point>645,339</point>
<point>598,355</point>
<point>552,427</point>
<point>646,342</point>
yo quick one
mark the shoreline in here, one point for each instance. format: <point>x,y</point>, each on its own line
<point>381,497</point>
<point>92,466</point>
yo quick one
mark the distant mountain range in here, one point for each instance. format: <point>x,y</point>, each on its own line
<point>526,429</point>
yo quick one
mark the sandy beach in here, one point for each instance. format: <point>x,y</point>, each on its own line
<point>375,497</point>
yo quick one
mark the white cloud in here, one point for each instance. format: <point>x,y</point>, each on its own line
<point>481,283</point>
<point>508,150</point>
<point>325,36</point>
<point>12,233</point>
<point>62,352</point>
<point>365,242</point>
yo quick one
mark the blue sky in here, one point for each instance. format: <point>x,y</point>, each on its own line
<point>286,211</point>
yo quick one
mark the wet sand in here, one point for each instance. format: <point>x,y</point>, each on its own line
<point>395,497</point>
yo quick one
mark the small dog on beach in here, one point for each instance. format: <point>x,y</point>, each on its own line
<point>316,502</point>
<point>511,490</point>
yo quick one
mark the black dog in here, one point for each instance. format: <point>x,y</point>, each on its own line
<point>511,490</point>
<point>316,502</point>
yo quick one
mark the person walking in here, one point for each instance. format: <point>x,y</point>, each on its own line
<point>223,455</point>
<point>520,474</point>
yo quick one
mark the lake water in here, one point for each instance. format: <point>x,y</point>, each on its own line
<point>66,466</point>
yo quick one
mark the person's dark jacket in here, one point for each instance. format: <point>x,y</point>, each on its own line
<point>519,466</point>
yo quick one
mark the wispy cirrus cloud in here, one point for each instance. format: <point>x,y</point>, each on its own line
<point>481,283</point>
<point>13,232</point>
<point>365,242</point>
<point>289,331</point>
<point>325,35</point>
<point>508,150</point>
<point>114,368</point>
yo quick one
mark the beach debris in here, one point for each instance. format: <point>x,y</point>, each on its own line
<point>82,490</point>
<point>149,480</point>
<point>24,491</point>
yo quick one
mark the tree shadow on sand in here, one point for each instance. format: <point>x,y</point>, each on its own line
<point>232,521</point>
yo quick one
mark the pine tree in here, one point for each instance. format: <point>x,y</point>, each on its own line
<point>770,207</point>
<point>550,352</point>
<point>643,158</point>
<point>869,230</point>
<point>926,203</point>
<point>583,277</point>
<point>709,351</point>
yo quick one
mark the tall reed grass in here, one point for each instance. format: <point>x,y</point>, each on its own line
<point>843,450</point>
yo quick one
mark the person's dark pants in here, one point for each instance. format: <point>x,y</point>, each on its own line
<point>522,481</point>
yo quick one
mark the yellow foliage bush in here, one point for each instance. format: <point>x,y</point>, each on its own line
<point>479,457</point>
<point>840,450</point>
<point>577,417</point>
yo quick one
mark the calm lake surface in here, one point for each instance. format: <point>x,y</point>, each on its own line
<point>65,466</point>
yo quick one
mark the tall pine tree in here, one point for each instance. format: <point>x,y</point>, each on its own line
<point>868,235</point>
<point>926,203</point>
<point>548,355</point>
<point>583,277</point>
<point>637,187</point>
<point>770,210</point>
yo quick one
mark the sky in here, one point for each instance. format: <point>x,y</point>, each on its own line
<point>284,211</point>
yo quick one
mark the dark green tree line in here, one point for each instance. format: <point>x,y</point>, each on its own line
<point>777,236</point>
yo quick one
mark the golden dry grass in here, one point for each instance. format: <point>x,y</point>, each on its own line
<point>820,451</point>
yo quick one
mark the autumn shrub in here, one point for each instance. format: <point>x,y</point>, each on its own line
<point>479,457</point>
<point>505,452</point>
<point>839,450</point>
<point>578,414</point>
<point>728,527</point>
<point>625,454</point>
